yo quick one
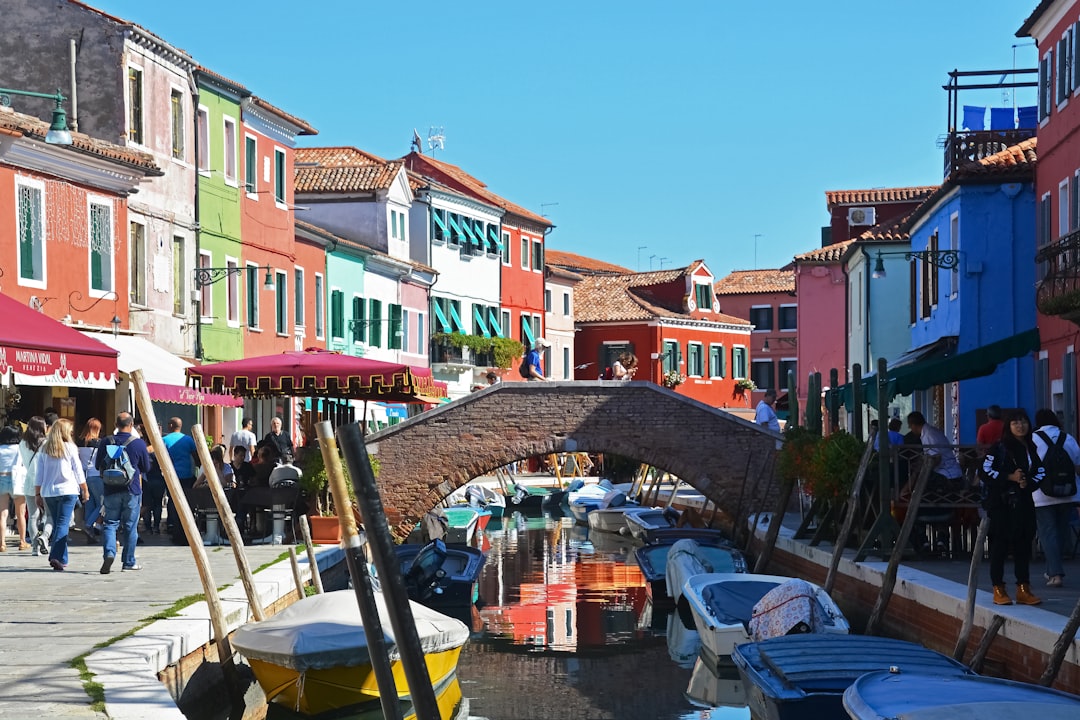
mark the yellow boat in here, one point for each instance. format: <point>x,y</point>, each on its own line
<point>313,657</point>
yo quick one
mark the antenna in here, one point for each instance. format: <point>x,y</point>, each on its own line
<point>651,258</point>
<point>436,139</point>
<point>756,236</point>
<point>639,249</point>
<point>546,205</point>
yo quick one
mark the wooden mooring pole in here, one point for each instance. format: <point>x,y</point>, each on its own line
<point>297,580</point>
<point>984,646</point>
<point>1061,646</point>
<point>973,585</point>
<point>305,533</point>
<point>849,519</point>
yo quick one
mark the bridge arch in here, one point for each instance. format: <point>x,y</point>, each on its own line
<point>425,458</point>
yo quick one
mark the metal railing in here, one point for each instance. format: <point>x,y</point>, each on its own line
<point>1058,266</point>
<point>966,146</point>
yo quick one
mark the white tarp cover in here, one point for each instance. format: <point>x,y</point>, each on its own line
<point>325,631</point>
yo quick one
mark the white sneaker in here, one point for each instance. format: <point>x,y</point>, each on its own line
<point>40,546</point>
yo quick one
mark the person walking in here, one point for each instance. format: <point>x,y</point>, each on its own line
<point>184,456</point>
<point>59,482</point>
<point>1053,512</point>
<point>87,442</point>
<point>11,469</point>
<point>123,502</point>
<point>29,448</point>
<point>1011,471</point>
<point>244,438</point>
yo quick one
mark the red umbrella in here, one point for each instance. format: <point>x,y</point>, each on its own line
<point>319,373</point>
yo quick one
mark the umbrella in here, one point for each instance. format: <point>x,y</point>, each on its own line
<point>316,372</point>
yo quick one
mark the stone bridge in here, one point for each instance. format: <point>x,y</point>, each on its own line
<point>425,458</point>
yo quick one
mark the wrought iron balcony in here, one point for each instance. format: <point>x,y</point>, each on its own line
<point>964,147</point>
<point>1058,264</point>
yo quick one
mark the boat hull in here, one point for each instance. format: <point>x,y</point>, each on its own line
<point>457,588</point>
<point>611,520</point>
<point>715,556</point>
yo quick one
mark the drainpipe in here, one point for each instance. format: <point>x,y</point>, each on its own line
<point>198,228</point>
<point>847,328</point>
<point>74,88</point>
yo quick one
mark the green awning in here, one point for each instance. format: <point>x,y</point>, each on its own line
<point>456,320</point>
<point>478,318</point>
<point>466,225</point>
<point>526,328</point>
<point>441,318</point>
<point>457,235</point>
<point>493,239</point>
<point>439,221</point>
<point>493,321</point>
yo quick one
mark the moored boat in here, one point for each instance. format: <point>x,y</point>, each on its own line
<point>713,555</point>
<point>803,677</point>
<point>479,497</point>
<point>461,521</point>
<point>313,656</point>
<point>442,577</point>
<point>715,687</point>
<point>643,525</point>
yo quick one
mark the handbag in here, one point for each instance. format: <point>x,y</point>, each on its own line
<point>19,471</point>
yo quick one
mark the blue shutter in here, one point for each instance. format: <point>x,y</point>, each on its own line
<point>493,322</point>
<point>455,319</point>
<point>444,324</point>
<point>478,321</point>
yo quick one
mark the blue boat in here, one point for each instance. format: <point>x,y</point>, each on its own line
<point>912,696</point>
<point>714,553</point>
<point>442,577</point>
<point>803,677</point>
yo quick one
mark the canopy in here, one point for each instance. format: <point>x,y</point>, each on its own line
<point>319,373</point>
<point>43,351</point>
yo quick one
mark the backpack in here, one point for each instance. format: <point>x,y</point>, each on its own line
<point>118,470</point>
<point>524,367</point>
<point>1060,480</point>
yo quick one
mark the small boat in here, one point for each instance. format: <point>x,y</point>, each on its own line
<point>684,561</point>
<point>728,609</point>
<point>479,497</point>
<point>313,657</point>
<point>709,688</point>
<point>915,696</point>
<point>524,497</point>
<point>610,516</point>
<point>803,677</point>
<point>442,577</point>
<point>643,525</point>
<point>705,535</point>
<point>462,521</point>
<point>586,499</point>
<point>714,555</point>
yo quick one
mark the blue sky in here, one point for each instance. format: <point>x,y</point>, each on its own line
<point>651,134</point>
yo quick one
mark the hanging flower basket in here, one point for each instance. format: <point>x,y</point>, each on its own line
<point>672,379</point>
<point>744,385</point>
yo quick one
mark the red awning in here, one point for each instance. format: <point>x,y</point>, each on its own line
<point>190,396</point>
<point>41,350</point>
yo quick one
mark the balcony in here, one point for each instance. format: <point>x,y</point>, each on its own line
<point>1058,293</point>
<point>967,146</point>
<point>455,352</point>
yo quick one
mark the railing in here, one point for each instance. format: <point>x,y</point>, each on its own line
<point>966,146</point>
<point>1058,291</point>
<point>452,355</point>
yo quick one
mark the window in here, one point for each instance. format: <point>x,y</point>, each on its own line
<point>230,151</point>
<point>566,304</point>
<point>524,253</point>
<point>538,256</point>
<point>1045,85</point>
<point>761,318</point>
<point>789,318</point>
<point>176,104</point>
<point>404,330</point>
<point>703,296</point>
<point>506,248</point>
<point>954,245</point>
<point>762,374</point>
<point>179,275</point>
<point>320,308</point>
<point>337,314</point>
<point>672,356</point>
<point>375,323</point>
<point>281,317</point>
<point>1042,232</point>
<point>252,290</point>
<point>547,300</point>
<point>101,247</point>
<point>913,293</point>
<point>1064,70</point>
<point>396,333</point>
<point>420,333</point>
<point>695,360</point>
<point>279,176</point>
<point>232,292</point>
<point>932,271</point>
<point>480,320</point>
<point>786,366</point>
<point>135,105</point>
<point>566,363</point>
<point>717,361</point>
<point>206,295</point>
<point>738,362</point>
<point>137,264</point>
<point>505,323</point>
<point>359,309</point>
<point>202,139</point>
<point>251,165</point>
<point>1063,207</point>
<point>497,328</point>
<point>393,224</point>
<point>31,196</point>
<point>298,298</point>
<point>536,326</point>
<point>1075,198</point>
<point>401,226</point>
<point>439,229</point>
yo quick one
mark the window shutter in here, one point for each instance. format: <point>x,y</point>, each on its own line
<point>358,319</point>
<point>913,292</point>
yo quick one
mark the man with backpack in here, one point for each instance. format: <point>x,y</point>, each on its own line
<point>122,455</point>
<point>1056,496</point>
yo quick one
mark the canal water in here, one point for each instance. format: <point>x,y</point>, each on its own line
<point>564,630</point>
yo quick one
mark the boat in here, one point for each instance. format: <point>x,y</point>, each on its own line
<point>442,577</point>
<point>462,521</point>
<point>728,609</point>
<point>525,497</point>
<point>803,677</point>
<point>709,688</point>
<point>714,555</point>
<point>479,497</point>
<point>610,515</point>
<point>313,656</point>
<point>586,499</point>
<point>706,535</point>
<point>684,561</point>
<point>644,524</point>
<point>917,696</point>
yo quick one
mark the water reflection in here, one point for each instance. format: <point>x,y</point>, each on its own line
<point>568,632</point>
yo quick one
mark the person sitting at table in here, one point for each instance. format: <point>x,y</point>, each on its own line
<point>242,471</point>
<point>224,470</point>
<point>266,459</point>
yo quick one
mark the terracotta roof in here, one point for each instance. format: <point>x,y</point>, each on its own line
<point>828,254</point>
<point>305,128</point>
<point>895,229</point>
<point>741,282</point>
<point>342,169</point>
<point>561,273</point>
<point>1015,158</point>
<point>315,229</point>
<point>339,155</point>
<point>455,176</point>
<point>1025,29</point>
<point>877,195</point>
<point>238,87</point>
<point>581,264</point>
<point>33,127</point>
<point>605,298</point>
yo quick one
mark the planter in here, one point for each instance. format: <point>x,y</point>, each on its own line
<point>325,530</point>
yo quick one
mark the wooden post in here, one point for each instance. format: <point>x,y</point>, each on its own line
<point>774,526</point>
<point>305,533</point>
<point>296,573</point>
<point>834,399</point>
<point>228,521</point>
<point>849,519</point>
<point>889,581</point>
<point>973,584</point>
<point>1061,646</point>
<point>738,515</point>
<point>766,485</point>
<point>987,639</point>
<point>857,401</point>
<point>793,399</point>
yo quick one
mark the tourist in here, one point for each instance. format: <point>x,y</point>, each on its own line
<point>1053,514</point>
<point>281,441</point>
<point>224,470</point>
<point>1011,472</point>
<point>947,472</point>
<point>184,456</point>
<point>87,443</point>
<point>533,363</point>
<point>990,432</point>
<point>155,491</point>
<point>11,470</point>
<point>32,440</point>
<point>244,438</point>
<point>624,367</point>
<point>59,483</point>
<point>765,415</point>
<point>123,503</point>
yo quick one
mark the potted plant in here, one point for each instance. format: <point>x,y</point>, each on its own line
<point>488,351</point>
<point>672,379</point>
<point>315,483</point>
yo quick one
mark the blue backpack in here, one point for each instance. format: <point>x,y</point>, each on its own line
<point>119,471</point>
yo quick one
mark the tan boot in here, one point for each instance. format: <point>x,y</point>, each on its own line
<point>1024,596</point>
<point>1001,596</point>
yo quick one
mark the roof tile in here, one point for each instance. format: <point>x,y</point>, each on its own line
<point>606,298</point>
<point>740,282</point>
<point>342,169</point>
<point>581,264</point>
<point>827,254</point>
<point>877,195</point>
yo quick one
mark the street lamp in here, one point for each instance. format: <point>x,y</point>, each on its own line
<point>58,133</point>
<point>945,259</point>
<point>205,276</point>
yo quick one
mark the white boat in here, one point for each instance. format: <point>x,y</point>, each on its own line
<point>726,610</point>
<point>461,523</point>
<point>480,497</point>
<point>712,688</point>
<point>683,640</point>
<point>610,515</point>
<point>313,656</point>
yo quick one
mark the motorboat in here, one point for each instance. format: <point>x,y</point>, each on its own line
<point>313,656</point>
<point>714,555</point>
<point>705,535</point>
<point>644,524</point>
<point>461,523</point>
<point>525,497</point>
<point>610,515</point>
<point>918,696</point>
<point>451,704</point>
<point>728,610</point>
<point>440,576</point>
<point>803,677</point>
<point>710,688</point>
<point>479,497</point>
<point>684,561</point>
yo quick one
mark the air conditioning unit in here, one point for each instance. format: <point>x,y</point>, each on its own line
<point>860,216</point>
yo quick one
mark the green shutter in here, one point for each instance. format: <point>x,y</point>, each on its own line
<point>440,316</point>
<point>479,326</point>
<point>455,318</point>
<point>493,322</point>
<point>358,319</point>
<point>394,340</point>
<point>375,323</point>
<point>26,232</point>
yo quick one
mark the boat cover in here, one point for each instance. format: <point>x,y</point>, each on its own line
<point>325,631</point>
<point>613,499</point>
<point>790,607</point>
<point>732,601</point>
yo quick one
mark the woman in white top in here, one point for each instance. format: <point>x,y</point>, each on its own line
<point>59,483</point>
<point>32,439</point>
<point>10,467</point>
<point>1053,514</point>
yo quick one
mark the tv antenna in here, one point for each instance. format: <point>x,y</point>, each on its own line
<point>543,213</point>
<point>436,139</point>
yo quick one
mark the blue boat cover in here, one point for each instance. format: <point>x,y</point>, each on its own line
<point>613,499</point>
<point>732,602</point>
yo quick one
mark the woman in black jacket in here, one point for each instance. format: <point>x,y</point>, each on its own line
<point>1011,472</point>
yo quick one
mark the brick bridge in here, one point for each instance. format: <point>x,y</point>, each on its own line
<point>425,458</point>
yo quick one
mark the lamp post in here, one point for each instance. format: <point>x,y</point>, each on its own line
<point>58,133</point>
<point>206,276</point>
<point>944,259</point>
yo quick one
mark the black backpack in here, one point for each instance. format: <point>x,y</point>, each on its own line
<point>524,367</point>
<point>1060,480</point>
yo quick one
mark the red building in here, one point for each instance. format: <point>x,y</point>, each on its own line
<point>852,212</point>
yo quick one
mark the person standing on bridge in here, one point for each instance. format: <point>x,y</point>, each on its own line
<point>765,414</point>
<point>533,361</point>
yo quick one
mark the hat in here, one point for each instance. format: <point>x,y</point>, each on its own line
<point>541,342</point>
